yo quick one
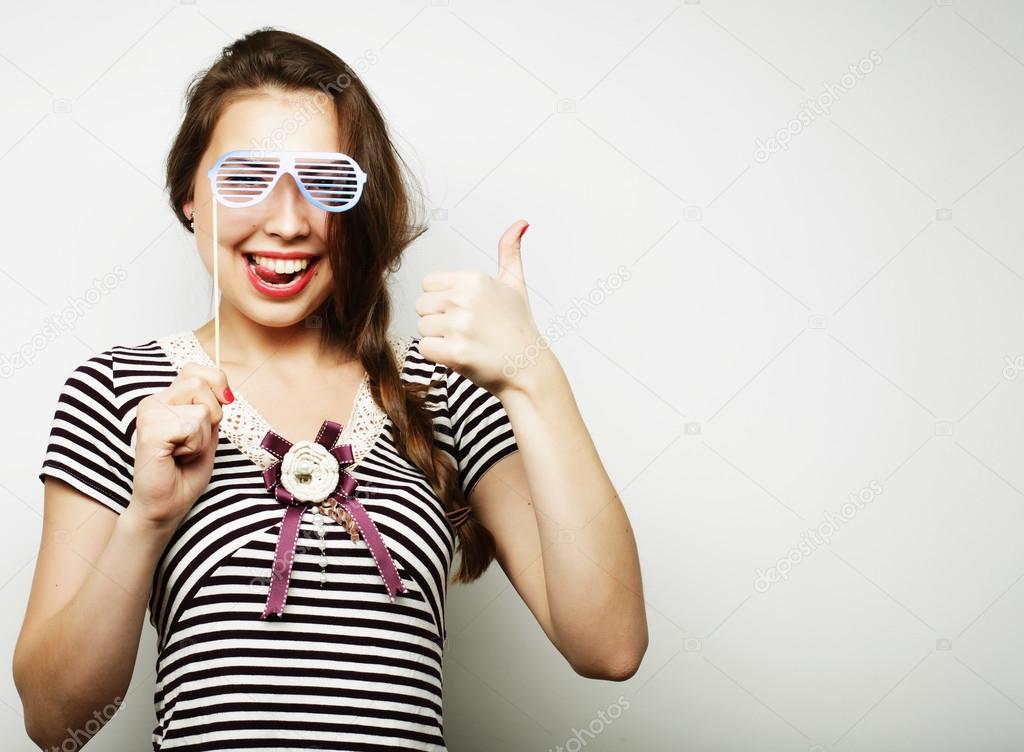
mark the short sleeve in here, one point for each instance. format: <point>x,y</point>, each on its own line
<point>481,429</point>
<point>88,447</point>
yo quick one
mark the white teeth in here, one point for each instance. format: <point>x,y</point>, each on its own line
<point>282,266</point>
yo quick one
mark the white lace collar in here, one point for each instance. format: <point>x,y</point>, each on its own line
<point>244,427</point>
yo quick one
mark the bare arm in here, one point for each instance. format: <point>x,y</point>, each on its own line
<point>80,637</point>
<point>93,579</point>
<point>561,532</point>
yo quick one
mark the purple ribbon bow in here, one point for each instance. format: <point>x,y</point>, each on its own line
<point>284,552</point>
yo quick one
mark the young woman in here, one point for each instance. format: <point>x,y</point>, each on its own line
<point>290,519</point>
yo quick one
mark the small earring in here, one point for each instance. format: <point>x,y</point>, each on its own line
<point>192,222</point>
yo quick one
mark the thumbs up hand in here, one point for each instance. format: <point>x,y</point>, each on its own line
<point>477,324</point>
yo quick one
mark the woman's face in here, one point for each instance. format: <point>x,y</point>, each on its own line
<point>282,223</point>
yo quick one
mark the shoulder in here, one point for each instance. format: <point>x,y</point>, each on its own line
<point>129,359</point>
<point>451,395</point>
<point>106,364</point>
<point>463,400</point>
<point>111,377</point>
<point>416,365</point>
<point>413,366</point>
<point>91,434</point>
<point>471,423</point>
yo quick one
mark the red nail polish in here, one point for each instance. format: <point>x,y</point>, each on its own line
<point>523,231</point>
<point>228,395</point>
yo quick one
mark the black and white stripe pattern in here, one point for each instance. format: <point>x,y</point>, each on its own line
<point>345,668</point>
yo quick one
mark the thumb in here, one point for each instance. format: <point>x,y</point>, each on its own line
<point>510,260</point>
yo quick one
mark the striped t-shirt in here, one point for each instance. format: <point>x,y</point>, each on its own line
<point>345,668</point>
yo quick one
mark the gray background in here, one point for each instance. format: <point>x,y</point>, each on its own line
<point>841,318</point>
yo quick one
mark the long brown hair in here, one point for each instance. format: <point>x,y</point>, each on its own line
<point>364,249</point>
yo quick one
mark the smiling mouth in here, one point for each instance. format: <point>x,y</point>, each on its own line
<point>278,272</point>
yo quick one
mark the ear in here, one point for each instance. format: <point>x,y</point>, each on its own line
<point>187,209</point>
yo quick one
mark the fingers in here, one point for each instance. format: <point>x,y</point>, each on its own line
<point>197,384</point>
<point>432,302</point>
<point>513,234</point>
<point>175,430</point>
<point>438,280</point>
<point>510,260</point>
<point>214,377</point>
<point>191,430</point>
<point>432,325</point>
<point>190,411</point>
